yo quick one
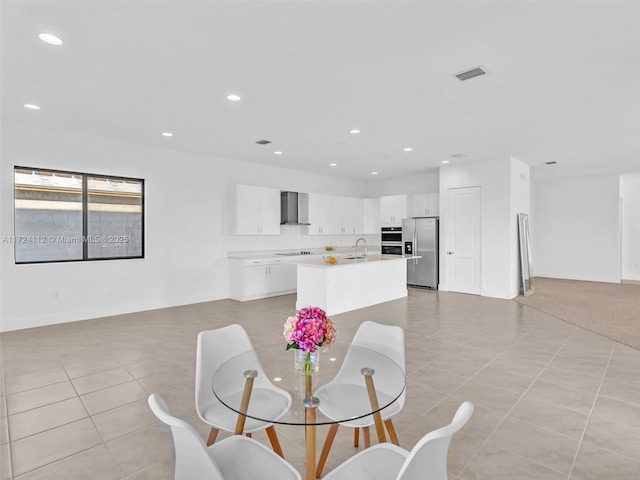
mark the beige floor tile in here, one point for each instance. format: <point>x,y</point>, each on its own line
<point>550,416</point>
<point>622,386</point>
<point>570,378</point>
<point>617,437</point>
<point>494,463</point>
<point>488,396</point>
<point>93,365</point>
<point>4,432</point>
<point>95,463</point>
<point>463,447</point>
<point>578,400</point>
<point>157,471</point>
<point>44,418</point>
<point>580,365</point>
<point>551,449</point>
<point>617,411</point>
<point>33,380</point>
<point>38,450</point>
<point>439,380</point>
<point>141,449</point>
<point>506,380</point>
<point>124,420</point>
<point>39,397</point>
<point>100,381</point>
<point>593,463</point>
<point>112,397</point>
<point>482,423</point>
<point>5,462</point>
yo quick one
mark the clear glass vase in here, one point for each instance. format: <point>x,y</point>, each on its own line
<point>306,362</point>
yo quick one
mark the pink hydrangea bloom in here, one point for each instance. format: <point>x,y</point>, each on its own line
<point>308,329</point>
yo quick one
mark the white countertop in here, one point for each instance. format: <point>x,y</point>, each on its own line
<point>295,252</point>
<point>317,261</point>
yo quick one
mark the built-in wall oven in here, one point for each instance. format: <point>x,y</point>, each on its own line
<point>391,241</point>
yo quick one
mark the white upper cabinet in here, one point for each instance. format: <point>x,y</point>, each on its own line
<point>425,205</point>
<point>255,210</point>
<point>334,215</point>
<point>371,216</point>
<point>393,208</point>
<point>348,214</point>
<point>320,214</point>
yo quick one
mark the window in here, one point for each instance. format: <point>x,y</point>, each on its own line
<point>69,216</point>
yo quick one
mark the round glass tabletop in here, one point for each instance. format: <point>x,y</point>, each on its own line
<point>339,398</point>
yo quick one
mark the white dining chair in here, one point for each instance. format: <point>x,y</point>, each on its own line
<point>386,461</point>
<point>214,348</point>
<point>336,395</point>
<point>234,458</point>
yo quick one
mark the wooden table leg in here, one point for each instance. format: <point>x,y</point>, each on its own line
<point>249,375</point>
<point>373,398</point>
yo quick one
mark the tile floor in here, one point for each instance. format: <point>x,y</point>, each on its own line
<point>552,401</point>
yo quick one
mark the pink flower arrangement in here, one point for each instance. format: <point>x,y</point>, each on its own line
<point>308,329</point>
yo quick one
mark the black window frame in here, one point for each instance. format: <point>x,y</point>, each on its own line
<point>85,215</point>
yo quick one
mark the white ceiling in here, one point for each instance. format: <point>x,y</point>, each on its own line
<point>564,81</point>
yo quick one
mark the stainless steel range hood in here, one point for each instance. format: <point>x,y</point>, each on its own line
<point>294,208</point>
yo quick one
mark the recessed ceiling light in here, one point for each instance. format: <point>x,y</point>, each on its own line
<point>233,97</point>
<point>408,149</point>
<point>277,379</point>
<point>277,153</point>
<point>333,164</point>
<point>50,39</point>
<point>31,106</point>
<point>167,134</point>
<point>354,131</point>
<point>445,161</point>
<point>374,173</point>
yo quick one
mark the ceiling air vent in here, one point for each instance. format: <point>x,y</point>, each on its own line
<point>468,74</point>
<point>263,142</point>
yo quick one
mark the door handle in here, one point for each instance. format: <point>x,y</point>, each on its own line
<point>449,253</point>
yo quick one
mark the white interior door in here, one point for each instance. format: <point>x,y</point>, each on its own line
<point>463,242</point>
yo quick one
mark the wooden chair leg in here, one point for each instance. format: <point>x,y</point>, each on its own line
<point>213,434</point>
<point>356,437</point>
<point>392,432</point>
<point>326,447</point>
<point>275,443</point>
<point>367,437</point>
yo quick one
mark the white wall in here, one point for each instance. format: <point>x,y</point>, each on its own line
<point>630,193</point>
<point>424,183</point>
<point>577,228</point>
<point>494,177</point>
<point>186,229</point>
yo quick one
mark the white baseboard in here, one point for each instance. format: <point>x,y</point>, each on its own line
<point>631,276</point>
<point>580,276</point>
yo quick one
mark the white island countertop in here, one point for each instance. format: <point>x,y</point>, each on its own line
<point>317,261</point>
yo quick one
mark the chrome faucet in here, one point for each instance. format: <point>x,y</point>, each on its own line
<point>355,248</point>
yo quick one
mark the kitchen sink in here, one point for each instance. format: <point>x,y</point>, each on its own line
<point>353,258</point>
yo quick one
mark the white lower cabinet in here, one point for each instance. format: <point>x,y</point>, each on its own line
<point>260,278</point>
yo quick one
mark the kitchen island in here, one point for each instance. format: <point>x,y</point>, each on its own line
<point>351,283</point>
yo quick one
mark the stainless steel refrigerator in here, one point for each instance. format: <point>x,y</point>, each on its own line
<point>420,237</point>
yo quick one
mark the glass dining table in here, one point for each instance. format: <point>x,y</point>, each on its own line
<point>373,382</point>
